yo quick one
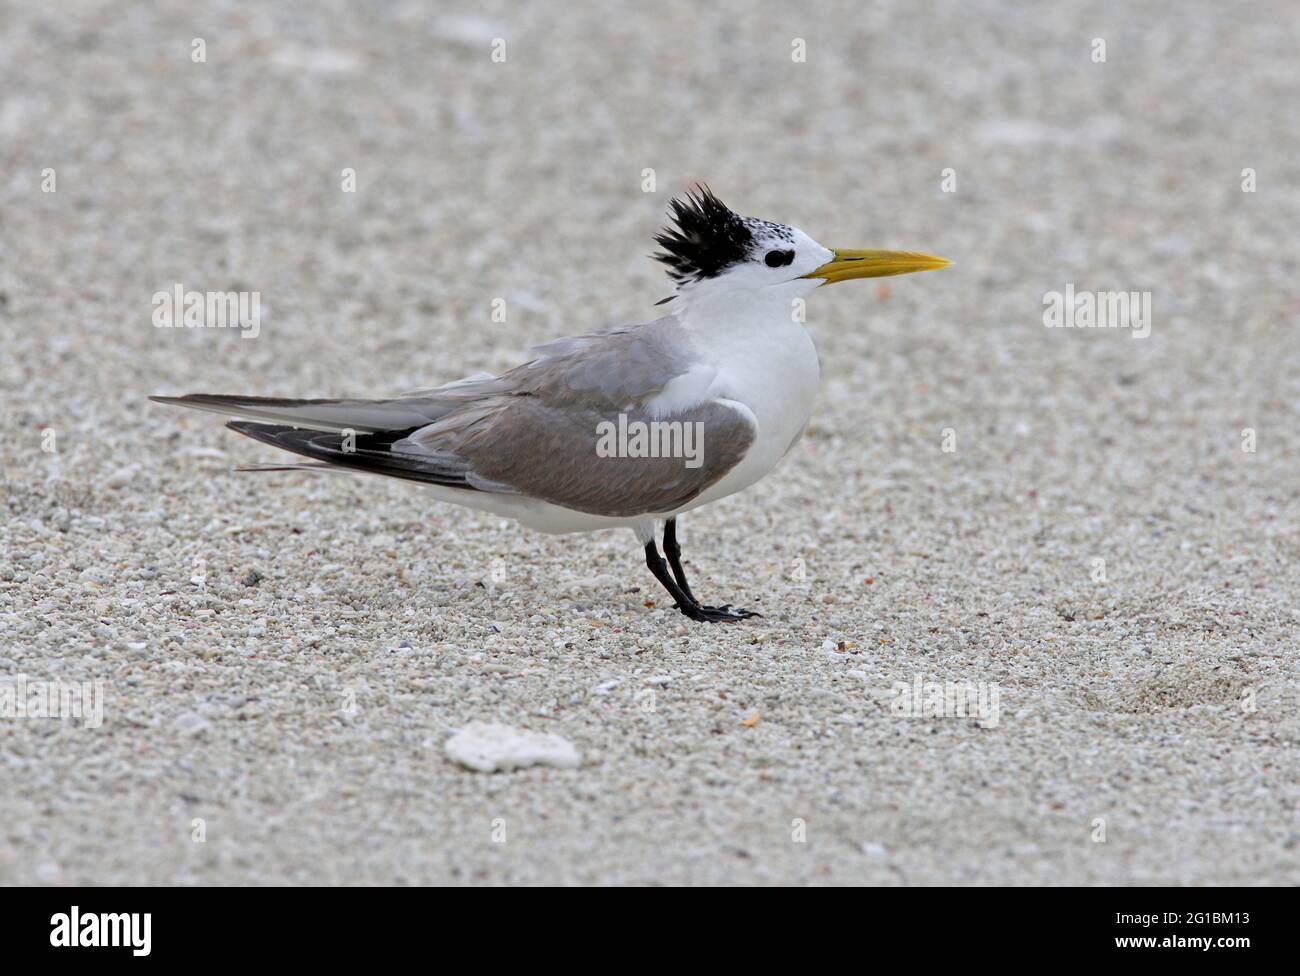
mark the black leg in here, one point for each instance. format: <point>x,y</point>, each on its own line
<point>685,603</point>
<point>674,553</point>
<point>657,566</point>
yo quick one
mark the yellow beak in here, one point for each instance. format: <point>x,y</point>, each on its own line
<point>875,264</point>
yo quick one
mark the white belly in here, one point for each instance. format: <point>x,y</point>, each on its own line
<point>534,513</point>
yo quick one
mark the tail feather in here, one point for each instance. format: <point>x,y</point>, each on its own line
<point>362,416</point>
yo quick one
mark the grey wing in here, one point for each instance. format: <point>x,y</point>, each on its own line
<point>561,453</point>
<point>542,436</point>
<point>534,430</point>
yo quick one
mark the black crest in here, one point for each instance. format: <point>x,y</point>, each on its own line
<point>709,237</point>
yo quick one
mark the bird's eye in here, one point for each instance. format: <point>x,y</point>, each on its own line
<point>778,259</point>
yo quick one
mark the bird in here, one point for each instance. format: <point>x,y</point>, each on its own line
<point>630,426</point>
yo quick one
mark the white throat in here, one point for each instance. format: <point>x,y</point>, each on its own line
<point>738,313</point>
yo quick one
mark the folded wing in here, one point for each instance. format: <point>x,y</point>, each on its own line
<point>541,430</point>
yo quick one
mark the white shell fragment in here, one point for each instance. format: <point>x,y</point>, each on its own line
<point>488,746</point>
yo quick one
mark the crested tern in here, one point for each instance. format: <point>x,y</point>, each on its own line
<point>626,427</point>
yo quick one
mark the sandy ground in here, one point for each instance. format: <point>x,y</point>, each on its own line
<point>284,656</point>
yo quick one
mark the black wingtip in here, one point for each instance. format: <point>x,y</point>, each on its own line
<point>266,433</point>
<point>195,400</point>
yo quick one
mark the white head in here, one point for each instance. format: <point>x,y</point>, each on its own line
<point>714,253</point>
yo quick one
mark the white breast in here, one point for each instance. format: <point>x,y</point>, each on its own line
<point>769,369</point>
